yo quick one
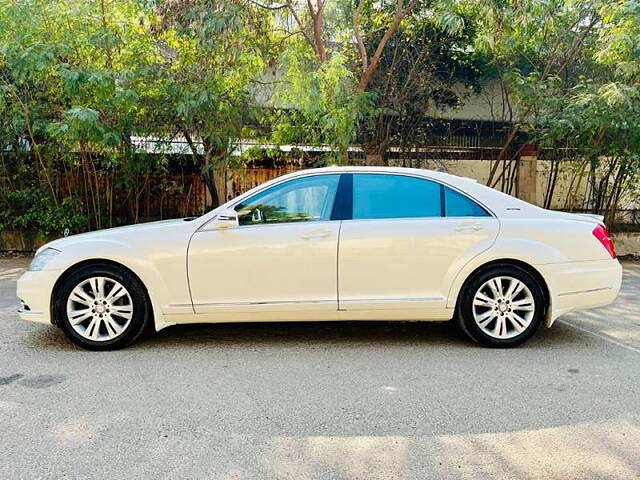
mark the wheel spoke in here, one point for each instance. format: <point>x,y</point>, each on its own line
<point>79,316</point>
<point>495,285</point>
<point>122,310</point>
<point>516,324</point>
<point>80,296</point>
<point>93,329</point>
<point>112,326</point>
<point>117,292</point>
<point>513,284</point>
<point>93,283</point>
<point>485,318</point>
<point>525,304</point>
<point>497,329</point>
<point>482,300</point>
<point>520,286</point>
<point>522,321</point>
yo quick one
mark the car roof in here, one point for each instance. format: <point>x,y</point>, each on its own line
<point>500,204</point>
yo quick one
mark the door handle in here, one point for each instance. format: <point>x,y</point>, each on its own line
<point>316,235</point>
<point>473,227</point>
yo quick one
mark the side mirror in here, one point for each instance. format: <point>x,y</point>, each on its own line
<point>226,219</point>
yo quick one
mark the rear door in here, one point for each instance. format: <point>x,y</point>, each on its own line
<point>406,240</point>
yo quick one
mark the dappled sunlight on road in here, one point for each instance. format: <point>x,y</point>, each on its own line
<point>341,457</point>
<point>585,450</point>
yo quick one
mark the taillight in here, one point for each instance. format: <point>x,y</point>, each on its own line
<point>602,234</point>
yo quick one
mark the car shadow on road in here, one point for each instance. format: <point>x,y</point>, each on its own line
<point>316,334</point>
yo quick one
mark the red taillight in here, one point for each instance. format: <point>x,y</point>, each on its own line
<point>602,234</point>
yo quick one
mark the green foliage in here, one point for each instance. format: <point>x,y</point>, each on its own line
<point>79,81</point>
<point>31,209</point>
<point>329,109</point>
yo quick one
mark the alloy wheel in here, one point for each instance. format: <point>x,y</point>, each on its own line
<point>503,307</point>
<point>99,309</point>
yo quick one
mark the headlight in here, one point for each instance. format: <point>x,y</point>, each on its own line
<point>41,259</point>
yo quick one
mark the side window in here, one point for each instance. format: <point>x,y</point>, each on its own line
<point>307,199</point>
<point>395,196</point>
<point>457,205</point>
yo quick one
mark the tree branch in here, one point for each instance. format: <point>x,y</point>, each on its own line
<point>269,7</point>
<point>358,35</point>
<point>399,15</point>
<point>318,20</point>
<point>300,25</point>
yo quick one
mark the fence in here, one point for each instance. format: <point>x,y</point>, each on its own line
<point>151,197</point>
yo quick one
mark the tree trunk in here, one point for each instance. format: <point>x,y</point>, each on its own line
<point>375,156</point>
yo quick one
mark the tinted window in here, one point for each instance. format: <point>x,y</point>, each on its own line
<point>308,199</point>
<point>457,205</point>
<point>394,196</point>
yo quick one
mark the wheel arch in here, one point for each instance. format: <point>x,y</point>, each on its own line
<point>96,261</point>
<point>511,262</point>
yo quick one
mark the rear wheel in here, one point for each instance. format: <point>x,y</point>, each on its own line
<point>102,307</point>
<point>501,306</point>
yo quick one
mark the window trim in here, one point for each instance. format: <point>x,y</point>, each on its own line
<point>351,172</point>
<point>442,185</point>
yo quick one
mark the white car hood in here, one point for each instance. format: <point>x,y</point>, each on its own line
<point>114,233</point>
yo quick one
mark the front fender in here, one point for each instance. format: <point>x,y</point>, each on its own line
<point>163,274</point>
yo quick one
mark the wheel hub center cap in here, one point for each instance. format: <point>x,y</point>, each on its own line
<point>502,307</point>
<point>100,309</point>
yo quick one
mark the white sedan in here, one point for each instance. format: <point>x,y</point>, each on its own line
<point>341,243</point>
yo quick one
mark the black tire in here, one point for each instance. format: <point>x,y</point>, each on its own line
<point>141,314</point>
<point>464,310</point>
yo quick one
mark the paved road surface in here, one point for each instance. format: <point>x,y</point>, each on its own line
<point>326,401</point>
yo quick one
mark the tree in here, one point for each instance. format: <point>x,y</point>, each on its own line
<point>76,73</point>
<point>212,51</point>
<point>530,45</point>
<point>333,54</point>
<point>424,69</point>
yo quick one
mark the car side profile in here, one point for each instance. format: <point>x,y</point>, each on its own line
<point>338,243</point>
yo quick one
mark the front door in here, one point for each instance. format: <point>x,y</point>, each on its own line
<point>281,256</point>
<point>407,240</point>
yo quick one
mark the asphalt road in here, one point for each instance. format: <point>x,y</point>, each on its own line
<point>323,400</point>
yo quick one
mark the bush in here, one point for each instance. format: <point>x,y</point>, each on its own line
<point>32,209</point>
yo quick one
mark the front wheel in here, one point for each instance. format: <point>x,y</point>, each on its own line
<point>102,307</point>
<point>502,306</point>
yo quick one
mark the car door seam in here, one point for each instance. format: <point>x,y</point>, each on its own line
<point>338,267</point>
<point>193,307</point>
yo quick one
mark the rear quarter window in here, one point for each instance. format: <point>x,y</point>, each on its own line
<point>458,205</point>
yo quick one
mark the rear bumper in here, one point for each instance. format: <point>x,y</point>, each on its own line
<point>34,291</point>
<point>581,285</point>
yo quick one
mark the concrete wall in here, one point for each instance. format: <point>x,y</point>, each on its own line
<point>627,243</point>
<point>22,242</point>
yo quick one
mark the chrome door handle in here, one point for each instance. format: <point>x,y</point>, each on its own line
<point>469,228</point>
<point>316,235</point>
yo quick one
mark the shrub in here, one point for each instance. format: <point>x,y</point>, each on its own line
<point>32,209</point>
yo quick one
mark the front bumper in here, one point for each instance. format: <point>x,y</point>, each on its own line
<point>34,291</point>
<point>581,285</point>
